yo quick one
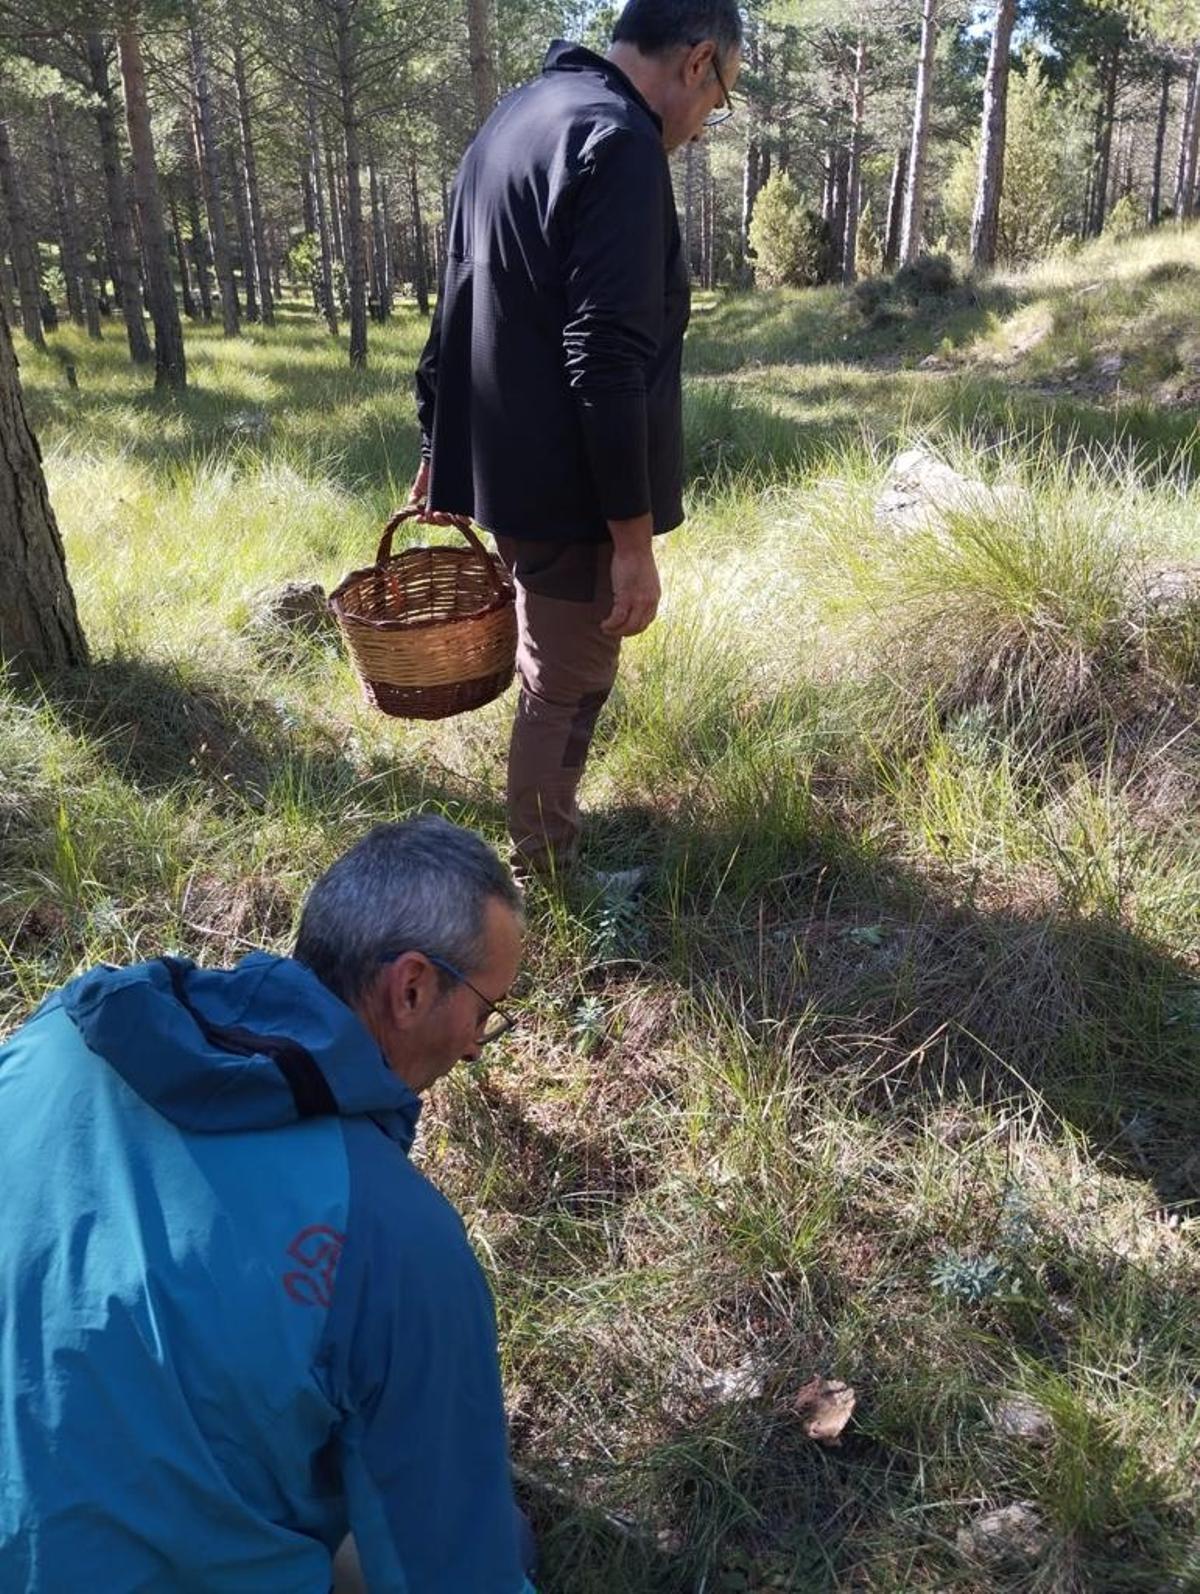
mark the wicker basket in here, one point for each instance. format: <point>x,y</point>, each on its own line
<point>432,631</point>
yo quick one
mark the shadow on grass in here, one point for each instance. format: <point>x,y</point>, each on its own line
<point>271,392</point>
<point>791,422</point>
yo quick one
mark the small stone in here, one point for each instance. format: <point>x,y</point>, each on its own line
<point>1021,1418</point>
<point>297,606</point>
<point>726,1385</point>
<point>1013,1535</point>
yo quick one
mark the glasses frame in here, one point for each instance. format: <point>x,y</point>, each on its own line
<point>717,118</point>
<point>507,1021</point>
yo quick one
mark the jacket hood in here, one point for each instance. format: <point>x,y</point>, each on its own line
<point>258,1046</point>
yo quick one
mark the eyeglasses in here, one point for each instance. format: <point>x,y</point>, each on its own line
<point>715,118</point>
<point>501,1022</point>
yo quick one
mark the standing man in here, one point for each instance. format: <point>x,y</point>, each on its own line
<point>549,391</point>
<point>236,1323</point>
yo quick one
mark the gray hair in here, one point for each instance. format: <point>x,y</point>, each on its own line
<point>656,26</point>
<point>418,886</point>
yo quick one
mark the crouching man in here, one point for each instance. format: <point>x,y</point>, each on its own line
<point>236,1323</point>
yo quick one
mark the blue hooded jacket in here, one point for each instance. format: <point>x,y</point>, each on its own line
<point>236,1323</point>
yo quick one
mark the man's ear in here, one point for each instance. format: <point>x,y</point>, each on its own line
<point>409,983</point>
<point>698,61</point>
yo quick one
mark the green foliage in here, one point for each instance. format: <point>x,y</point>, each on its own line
<point>869,244</point>
<point>1124,220</point>
<point>304,260</point>
<point>789,242</point>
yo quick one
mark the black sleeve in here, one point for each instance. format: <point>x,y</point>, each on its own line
<point>615,292</point>
<point>426,378</point>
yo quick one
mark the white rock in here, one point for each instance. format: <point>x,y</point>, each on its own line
<point>1012,1535</point>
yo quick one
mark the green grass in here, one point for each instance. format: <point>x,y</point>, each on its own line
<point>913,998</point>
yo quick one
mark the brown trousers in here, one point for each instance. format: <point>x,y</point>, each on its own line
<point>567,667</point>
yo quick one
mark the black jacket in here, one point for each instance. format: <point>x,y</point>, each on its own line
<point>549,390</point>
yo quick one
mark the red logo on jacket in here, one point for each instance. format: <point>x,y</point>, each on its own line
<point>317,1249</point>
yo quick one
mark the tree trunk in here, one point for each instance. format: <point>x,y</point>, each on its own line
<point>1104,133</point>
<point>420,268</point>
<point>895,212</point>
<point>985,222</point>
<point>8,282</point>
<point>39,625</point>
<point>481,50</point>
<point>307,206</point>
<point>1154,209</point>
<point>1186,133</point>
<point>837,218</point>
<point>200,254</point>
<point>241,212</point>
<point>854,177</point>
<point>335,207</point>
<point>347,58</point>
<point>389,244</point>
<point>326,301</point>
<point>170,362</point>
<point>210,165</point>
<point>124,251</point>
<point>1190,146</point>
<point>29,287</point>
<point>185,286</point>
<point>74,266</point>
<point>379,283</point>
<point>261,264</point>
<point>914,202</point>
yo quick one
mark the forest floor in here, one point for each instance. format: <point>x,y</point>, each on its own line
<point>891,1077</point>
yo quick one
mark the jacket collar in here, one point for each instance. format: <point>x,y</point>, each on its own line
<point>563,56</point>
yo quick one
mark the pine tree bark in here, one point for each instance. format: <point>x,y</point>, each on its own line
<point>389,245</point>
<point>336,231</point>
<point>39,624</point>
<point>8,282</point>
<point>985,222</point>
<point>124,251</point>
<point>914,197</point>
<point>327,301</point>
<point>347,62</point>
<point>201,260</point>
<point>837,218</point>
<point>210,164</point>
<point>1154,208</point>
<point>854,175</point>
<point>262,254</point>
<point>185,286</point>
<point>307,207</point>
<point>241,212</point>
<point>170,362</point>
<point>895,213</point>
<point>29,289</point>
<point>1187,199</point>
<point>420,265</point>
<point>379,287</point>
<point>481,50</point>
<point>1189,122</point>
<point>1104,132</point>
<point>81,294</point>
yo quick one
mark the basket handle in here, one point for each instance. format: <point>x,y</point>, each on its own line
<point>384,552</point>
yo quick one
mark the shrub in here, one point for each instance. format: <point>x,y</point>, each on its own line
<point>927,277</point>
<point>1124,219</point>
<point>790,243</point>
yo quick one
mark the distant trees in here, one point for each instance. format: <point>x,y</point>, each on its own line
<point>162,159</point>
